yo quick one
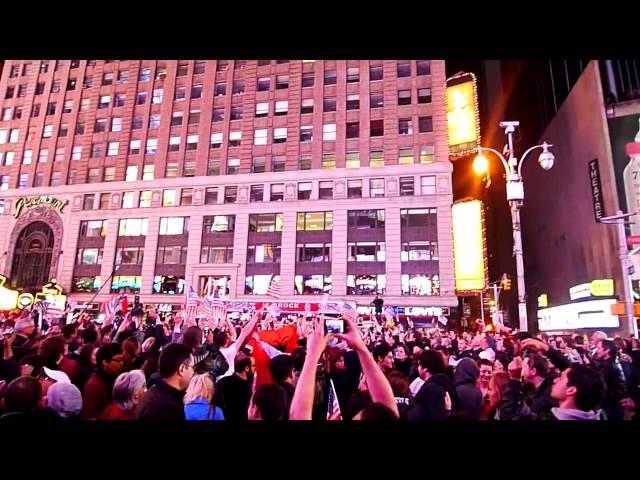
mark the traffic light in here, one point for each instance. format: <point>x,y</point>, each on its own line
<point>506,282</point>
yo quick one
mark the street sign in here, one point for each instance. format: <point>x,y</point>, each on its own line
<point>596,189</point>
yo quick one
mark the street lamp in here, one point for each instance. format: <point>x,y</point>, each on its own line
<point>515,197</point>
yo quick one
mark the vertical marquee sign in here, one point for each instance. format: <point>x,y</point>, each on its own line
<point>596,189</point>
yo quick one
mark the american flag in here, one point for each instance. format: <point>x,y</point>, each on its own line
<point>213,309</point>
<point>275,289</point>
<point>347,311</point>
<point>389,314</point>
<point>111,307</point>
<point>333,409</point>
<point>48,311</point>
<point>193,303</point>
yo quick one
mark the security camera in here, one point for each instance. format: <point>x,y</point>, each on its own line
<point>546,158</point>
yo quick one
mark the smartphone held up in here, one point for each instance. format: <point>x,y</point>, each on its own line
<point>332,325</point>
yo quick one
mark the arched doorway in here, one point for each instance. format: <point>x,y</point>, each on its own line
<point>32,256</point>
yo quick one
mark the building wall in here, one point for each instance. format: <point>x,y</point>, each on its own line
<point>563,244</point>
<point>31,131</point>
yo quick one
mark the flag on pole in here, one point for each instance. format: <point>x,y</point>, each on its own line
<point>111,307</point>
<point>443,320</point>
<point>275,289</point>
<point>192,304</point>
<point>348,311</point>
<point>333,409</point>
<point>213,309</point>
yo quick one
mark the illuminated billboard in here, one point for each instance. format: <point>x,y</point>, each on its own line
<point>8,298</point>
<point>463,120</point>
<point>469,247</point>
<point>589,314</point>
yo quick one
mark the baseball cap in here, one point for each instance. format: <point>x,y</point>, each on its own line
<point>65,399</point>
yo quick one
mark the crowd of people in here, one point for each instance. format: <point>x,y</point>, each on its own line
<point>144,367</point>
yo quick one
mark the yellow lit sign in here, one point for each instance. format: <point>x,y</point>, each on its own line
<point>52,294</point>
<point>44,200</point>
<point>8,298</point>
<point>469,247</point>
<point>543,301</point>
<point>602,288</point>
<point>25,300</point>
<point>462,114</point>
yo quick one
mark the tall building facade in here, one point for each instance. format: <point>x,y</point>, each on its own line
<point>147,175</point>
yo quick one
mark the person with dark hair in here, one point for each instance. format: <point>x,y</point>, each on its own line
<point>565,345</point>
<point>436,399</point>
<point>130,350</point>
<point>383,355</point>
<point>85,366</point>
<point>89,335</point>
<point>402,361</point>
<point>97,391</point>
<point>579,390</point>
<point>531,397</point>
<point>281,368</point>
<point>233,393</point>
<point>23,400</point>
<point>468,394</point>
<point>71,337</point>
<point>52,351</point>
<point>268,403</point>
<point>208,357</point>
<point>26,341</point>
<point>497,385</point>
<point>164,401</point>
<point>9,366</point>
<point>486,372</point>
<point>400,386</point>
<point>376,411</point>
<point>605,361</point>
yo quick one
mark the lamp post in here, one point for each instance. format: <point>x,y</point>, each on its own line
<point>515,196</point>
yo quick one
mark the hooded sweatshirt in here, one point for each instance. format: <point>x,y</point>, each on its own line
<point>574,414</point>
<point>469,395</point>
<point>430,400</point>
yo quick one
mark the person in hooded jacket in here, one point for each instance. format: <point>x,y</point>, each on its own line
<point>469,395</point>
<point>436,399</point>
<point>579,391</point>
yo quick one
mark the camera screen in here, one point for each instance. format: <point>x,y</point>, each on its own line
<point>334,326</point>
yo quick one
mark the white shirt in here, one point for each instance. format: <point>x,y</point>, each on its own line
<point>415,386</point>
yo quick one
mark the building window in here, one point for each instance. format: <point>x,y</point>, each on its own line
<point>330,77</point>
<point>404,69</point>
<point>126,284</point>
<point>352,160</point>
<point>171,170</point>
<point>265,222</point>
<point>279,135</point>
<point>72,178</point>
<point>312,284</point>
<point>306,106</point>
<point>123,77</point>
<point>353,129</point>
<point>304,190</point>
<point>353,102</point>
<point>238,87</point>
<point>266,253</point>
<point>44,156</point>
<point>168,284</point>
<point>134,147</point>
<point>181,94</point>
<point>35,110</point>
<point>405,156</point>
<point>107,78</point>
<point>109,175</point>
<point>59,155</point>
<point>137,122</point>
<point>278,163</point>
<point>262,109</point>
<point>152,146</point>
<point>365,219</point>
<point>176,119</point>
<point>325,190</point>
<point>233,166</point>
<point>407,185</point>
<point>174,225</point>
<point>425,124</point>
<point>9,92</point>
<point>366,252</point>
<point>236,112</point>
<point>129,256</point>
<point>89,256</point>
<point>64,129</point>
<point>194,118</point>
<point>424,95</point>
<point>354,188</point>
<point>230,194</point>
<point>112,149</point>
<point>329,161</point>
<point>314,221</point>
<point>282,107</point>
<point>174,255</point>
<point>154,121</point>
<point>67,106</point>
<point>216,140</point>
<point>211,196</point>
<point>116,124</point>
<point>256,194</point>
<point>105,201</point>
<point>93,228</point>
<point>15,134</point>
<point>169,198</point>
<point>260,136</point>
<point>213,167</point>
<point>131,173</point>
<point>404,126</point>
<point>183,67</point>
<point>329,104</point>
<point>87,202</point>
<point>353,74</point>
<point>404,97</point>
<point>306,134</point>
<point>220,89</point>
<point>258,165</point>
<point>375,72</point>
<point>377,128</point>
<point>186,197</point>
<point>148,171</point>
<point>277,192</point>
<point>196,90</point>
<point>145,74</point>
<point>419,251</point>
<point>218,224</point>
<point>428,185</point>
<point>22,89</point>
<point>423,67</point>
<point>304,163</point>
<point>189,168</point>
<point>329,132</point>
<point>218,114</point>
<point>366,284</point>
<point>282,82</point>
<point>376,187</point>
<point>174,144</point>
<point>263,84</point>
<point>101,126</point>
<point>128,199</point>
<point>235,138</point>
<point>307,79</point>
<point>39,88</point>
<point>141,98</point>
<point>216,255</point>
<point>4,183</point>
<point>192,142</point>
<point>258,284</point>
<point>421,285</point>
<point>76,153</point>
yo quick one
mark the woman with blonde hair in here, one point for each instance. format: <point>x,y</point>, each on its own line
<point>197,400</point>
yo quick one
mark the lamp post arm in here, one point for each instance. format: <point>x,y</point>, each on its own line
<point>529,150</point>
<point>500,156</point>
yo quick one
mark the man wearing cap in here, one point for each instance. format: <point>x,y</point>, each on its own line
<point>65,399</point>
<point>25,342</point>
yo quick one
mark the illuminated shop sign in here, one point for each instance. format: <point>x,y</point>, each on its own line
<point>469,247</point>
<point>463,125</point>
<point>589,314</point>
<point>43,201</point>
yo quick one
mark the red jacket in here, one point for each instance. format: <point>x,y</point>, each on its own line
<point>114,412</point>
<point>96,395</point>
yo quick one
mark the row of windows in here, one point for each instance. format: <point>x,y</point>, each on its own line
<point>264,83</point>
<point>414,285</point>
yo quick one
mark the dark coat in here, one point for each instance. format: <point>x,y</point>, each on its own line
<point>429,402</point>
<point>524,402</point>
<point>161,402</point>
<point>469,395</point>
